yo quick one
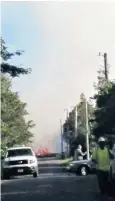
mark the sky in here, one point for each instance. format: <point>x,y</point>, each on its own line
<point>61,41</point>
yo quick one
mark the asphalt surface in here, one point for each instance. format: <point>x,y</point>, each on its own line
<point>50,165</point>
<point>51,186</point>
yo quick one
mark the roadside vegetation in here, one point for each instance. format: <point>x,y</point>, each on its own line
<point>101,115</point>
<point>15,129</point>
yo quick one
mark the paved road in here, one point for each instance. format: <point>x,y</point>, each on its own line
<point>55,187</point>
<point>50,165</point>
<point>51,186</point>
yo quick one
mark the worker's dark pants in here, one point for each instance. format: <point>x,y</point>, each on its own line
<point>103,181</point>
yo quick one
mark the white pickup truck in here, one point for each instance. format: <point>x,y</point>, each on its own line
<point>20,160</point>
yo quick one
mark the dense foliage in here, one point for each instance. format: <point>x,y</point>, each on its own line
<point>101,117</point>
<point>6,67</point>
<point>104,122</point>
<point>14,128</point>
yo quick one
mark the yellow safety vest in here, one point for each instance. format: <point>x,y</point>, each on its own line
<point>102,158</point>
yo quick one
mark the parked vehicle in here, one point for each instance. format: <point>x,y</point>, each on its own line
<point>112,165</point>
<point>82,167</point>
<point>20,161</point>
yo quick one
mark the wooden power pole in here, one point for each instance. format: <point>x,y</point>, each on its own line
<point>87,129</point>
<point>67,143</point>
<point>61,137</point>
<point>105,65</point>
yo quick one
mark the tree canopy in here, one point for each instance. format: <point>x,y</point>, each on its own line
<point>12,70</point>
<point>104,121</point>
<point>14,128</point>
<point>101,116</point>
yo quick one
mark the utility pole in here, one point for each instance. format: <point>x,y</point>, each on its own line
<point>87,129</point>
<point>67,145</point>
<point>76,121</point>
<point>75,117</point>
<point>75,153</point>
<point>61,137</point>
<point>105,65</point>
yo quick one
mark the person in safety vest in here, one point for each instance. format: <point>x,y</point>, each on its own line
<point>101,156</point>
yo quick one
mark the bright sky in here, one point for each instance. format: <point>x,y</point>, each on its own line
<point>61,41</point>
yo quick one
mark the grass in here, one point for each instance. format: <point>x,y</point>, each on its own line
<point>67,161</point>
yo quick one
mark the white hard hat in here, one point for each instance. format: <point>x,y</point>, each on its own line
<point>101,139</point>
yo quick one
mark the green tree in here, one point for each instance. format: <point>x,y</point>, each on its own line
<point>14,128</point>
<point>12,70</point>
<point>103,122</point>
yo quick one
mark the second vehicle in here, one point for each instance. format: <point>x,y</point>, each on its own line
<point>81,167</point>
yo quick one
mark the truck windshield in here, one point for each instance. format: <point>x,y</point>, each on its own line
<point>19,152</point>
